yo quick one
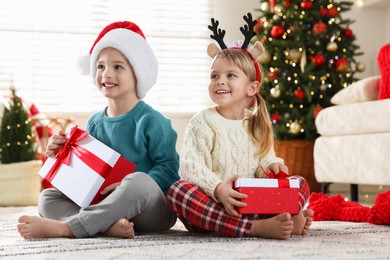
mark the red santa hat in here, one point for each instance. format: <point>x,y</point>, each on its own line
<point>128,38</point>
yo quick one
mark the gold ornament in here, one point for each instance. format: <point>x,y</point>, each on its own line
<point>264,6</point>
<point>295,127</point>
<point>303,60</point>
<point>332,46</point>
<point>360,67</point>
<point>264,58</point>
<point>294,55</point>
<point>275,92</point>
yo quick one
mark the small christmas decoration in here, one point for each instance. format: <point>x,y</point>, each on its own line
<point>318,59</point>
<point>295,127</point>
<point>275,118</point>
<point>332,46</point>
<point>316,110</point>
<point>16,138</point>
<point>306,5</point>
<point>319,28</point>
<point>299,93</point>
<point>341,65</point>
<point>348,33</point>
<point>277,31</point>
<point>275,92</point>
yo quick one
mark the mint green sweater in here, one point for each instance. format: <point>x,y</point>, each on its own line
<point>143,136</point>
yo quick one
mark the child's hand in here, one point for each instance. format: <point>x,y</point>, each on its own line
<point>110,188</point>
<point>229,197</point>
<point>276,167</point>
<point>55,143</point>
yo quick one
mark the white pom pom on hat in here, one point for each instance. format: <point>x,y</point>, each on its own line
<point>128,38</point>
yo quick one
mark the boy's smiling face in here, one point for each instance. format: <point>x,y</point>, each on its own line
<point>115,76</point>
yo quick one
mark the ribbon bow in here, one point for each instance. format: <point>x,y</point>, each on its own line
<point>63,156</point>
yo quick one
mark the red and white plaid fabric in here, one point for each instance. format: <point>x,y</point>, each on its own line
<point>200,213</point>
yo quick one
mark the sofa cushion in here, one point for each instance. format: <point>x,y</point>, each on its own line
<point>354,119</point>
<point>363,90</point>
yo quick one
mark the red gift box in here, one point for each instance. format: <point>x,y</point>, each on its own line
<point>84,167</point>
<point>268,196</point>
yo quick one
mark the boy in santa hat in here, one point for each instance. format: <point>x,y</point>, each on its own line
<point>124,68</point>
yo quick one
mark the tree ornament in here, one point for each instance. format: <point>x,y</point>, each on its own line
<point>294,55</point>
<point>275,92</point>
<point>319,28</point>
<point>360,67</point>
<point>273,74</point>
<point>341,65</point>
<point>348,33</point>
<point>303,62</point>
<point>295,127</point>
<point>299,93</point>
<point>306,5</point>
<point>258,26</point>
<point>287,3</point>
<point>264,7</point>
<point>323,87</point>
<point>264,58</point>
<point>332,46</point>
<point>277,31</point>
<point>324,11</point>
<point>317,109</point>
<point>275,118</point>
<point>318,59</point>
<point>276,18</point>
<point>333,12</point>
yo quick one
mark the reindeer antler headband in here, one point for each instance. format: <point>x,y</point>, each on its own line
<point>248,31</point>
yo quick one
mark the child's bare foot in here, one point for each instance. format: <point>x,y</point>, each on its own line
<point>302,222</point>
<point>122,228</point>
<point>36,227</point>
<point>277,227</point>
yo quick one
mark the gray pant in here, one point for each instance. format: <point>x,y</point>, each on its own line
<point>138,199</point>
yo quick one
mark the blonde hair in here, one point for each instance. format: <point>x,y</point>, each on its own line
<point>259,121</point>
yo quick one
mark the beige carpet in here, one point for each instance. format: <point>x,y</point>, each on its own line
<point>327,240</point>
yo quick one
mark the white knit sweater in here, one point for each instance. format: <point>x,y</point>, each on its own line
<point>215,148</point>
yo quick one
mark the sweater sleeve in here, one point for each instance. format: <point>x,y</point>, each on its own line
<point>268,159</point>
<point>196,158</point>
<point>162,151</point>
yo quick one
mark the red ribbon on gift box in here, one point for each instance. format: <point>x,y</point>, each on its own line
<point>281,176</point>
<point>71,146</point>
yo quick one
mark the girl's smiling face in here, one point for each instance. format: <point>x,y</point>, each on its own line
<point>229,87</point>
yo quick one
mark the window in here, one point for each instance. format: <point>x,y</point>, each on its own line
<point>42,40</point>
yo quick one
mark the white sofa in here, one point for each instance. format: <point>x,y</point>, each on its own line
<point>354,146</point>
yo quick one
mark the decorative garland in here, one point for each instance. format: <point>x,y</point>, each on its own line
<point>335,207</point>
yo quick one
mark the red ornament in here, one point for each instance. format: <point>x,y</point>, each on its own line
<point>277,31</point>
<point>287,3</point>
<point>341,65</point>
<point>318,59</point>
<point>324,11</point>
<point>316,110</point>
<point>307,5</point>
<point>275,118</point>
<point>299,93</point>
<point>333,12</point>
<point>319,28</point>
<point>258,26</point>
<point>273,75</point>
<point>348,33</point>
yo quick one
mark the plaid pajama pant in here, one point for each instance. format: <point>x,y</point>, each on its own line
<point>200,213</point>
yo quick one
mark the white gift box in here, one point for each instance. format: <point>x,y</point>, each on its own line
<point>80,182</point>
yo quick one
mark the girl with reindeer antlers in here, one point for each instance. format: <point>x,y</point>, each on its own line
<point>232,139</point>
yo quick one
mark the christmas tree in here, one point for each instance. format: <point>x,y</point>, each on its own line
<point>310,55</point>
<point>16,139</point>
